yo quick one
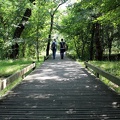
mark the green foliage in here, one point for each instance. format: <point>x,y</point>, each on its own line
<point>75,25</point>
<point>111,12</point>
<point>79,25</point>
<point>11,13</point>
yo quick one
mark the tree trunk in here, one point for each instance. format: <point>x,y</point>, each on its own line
<point>37,49</point>
<point>110,35</point>
<point>110,47</point>
<point>23,49</point>
<point>15,51</point>
<point>48,45</point>
<point>49,37</point>
<point>92,41</point>
<point>51,26</point>
<point>83,45</point>
<point>37,43</point>
<point>99,51</point>
<point>18,32</point>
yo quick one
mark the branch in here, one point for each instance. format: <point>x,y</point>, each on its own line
<point>58,7</point>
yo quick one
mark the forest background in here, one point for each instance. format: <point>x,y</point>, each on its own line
<point>90,27</point>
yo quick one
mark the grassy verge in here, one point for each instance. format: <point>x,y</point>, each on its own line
<point>110,67</point>
<point>8,67</point>
<point>113,68</point>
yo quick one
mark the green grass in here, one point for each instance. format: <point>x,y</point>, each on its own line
<point>110,67</point>
<point>8,67</point>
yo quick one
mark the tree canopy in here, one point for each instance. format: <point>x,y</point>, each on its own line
<point>94,27</point>
<point>90,27</point>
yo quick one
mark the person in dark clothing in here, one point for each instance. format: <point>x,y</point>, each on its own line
<point>54,48</point>
<point>62,48</point>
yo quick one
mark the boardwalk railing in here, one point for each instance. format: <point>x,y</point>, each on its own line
<point>5,82</point>
<point>98,72</point>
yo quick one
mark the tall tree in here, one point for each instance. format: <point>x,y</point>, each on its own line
<point>19,29</point>
<point>55,5</point>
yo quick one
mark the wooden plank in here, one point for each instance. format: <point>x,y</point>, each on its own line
<point>107,75</point>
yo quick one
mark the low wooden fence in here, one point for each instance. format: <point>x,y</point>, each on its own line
<point>98,72</point>
<point>5,82</point>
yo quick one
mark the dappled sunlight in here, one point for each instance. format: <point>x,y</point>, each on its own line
<point>115,104</point>
<point>71,111</point>
<point>64,89</point>
<point>47,78</point>
<point>104,117</point>
<point>94,87</point>
<point>40,96</point>
<point>87,86</point>
<point>57,71</point>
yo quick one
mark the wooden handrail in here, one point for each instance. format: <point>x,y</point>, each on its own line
<point>5,82</point>
<point>107,75</point>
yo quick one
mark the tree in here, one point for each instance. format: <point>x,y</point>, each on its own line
<point>35,32</point>
<point>54,5</point>
<point>18,31</point>
<point>94,13</point>
<point>90,27</point>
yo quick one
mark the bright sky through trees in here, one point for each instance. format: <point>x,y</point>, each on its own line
<point>69,2</point>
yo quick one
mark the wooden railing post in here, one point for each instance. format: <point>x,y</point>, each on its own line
<point>97,75</point>
<point>86,64</point>
<point>4,83</point>
<point>0,84</point>
<point>34,65</point>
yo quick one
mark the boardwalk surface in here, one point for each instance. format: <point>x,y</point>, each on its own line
<point>60,90</point>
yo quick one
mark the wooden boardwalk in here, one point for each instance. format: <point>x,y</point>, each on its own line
<point>60,90</point>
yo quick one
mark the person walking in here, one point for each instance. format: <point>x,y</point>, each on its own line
<point>54,48</point>
<point>62,48</point>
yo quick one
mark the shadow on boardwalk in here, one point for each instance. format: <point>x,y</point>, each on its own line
<point>60,90</point>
